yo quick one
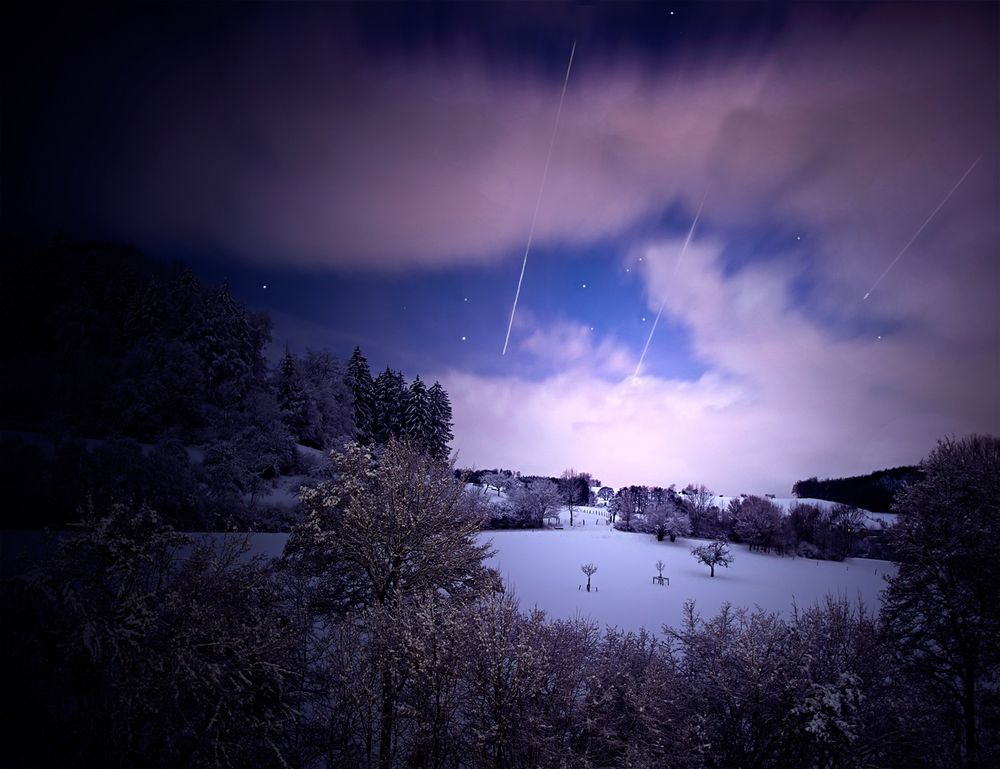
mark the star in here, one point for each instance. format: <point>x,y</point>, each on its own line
<point>798,237</point>
<point>584,285</point>
<point>265,285</point>
<point>463,338</point>
<point>466,299</point>
<point>643,318</point>
<point>628,269</point>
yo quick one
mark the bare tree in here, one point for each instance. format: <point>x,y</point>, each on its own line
<point>536,502</point>
<point>660,566</point>
<point>589,569</point>
<point>715,553</point>
<point>702,509</point>
<point>497,481</point>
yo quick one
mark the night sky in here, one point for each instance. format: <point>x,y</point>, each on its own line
<point>368,175</point>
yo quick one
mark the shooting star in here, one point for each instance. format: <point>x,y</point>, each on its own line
<point>538,200</point>
<point>676,265</point>
<point>922,226</point>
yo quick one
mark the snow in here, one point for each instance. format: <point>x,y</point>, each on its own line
<point>542,567</point>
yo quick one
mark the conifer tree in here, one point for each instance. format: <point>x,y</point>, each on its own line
<point>390,397</point>
<point>293,402</point>
<point>359,378</point>
<point>144,313</point>
<point>441,424</point>
<point>417,416</point>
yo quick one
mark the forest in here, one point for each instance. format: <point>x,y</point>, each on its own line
<point>124,378</point>
<point>874,491</point>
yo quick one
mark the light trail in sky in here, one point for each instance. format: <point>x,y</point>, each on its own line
<point>538,200</point>
<point>922,226</point>
<point>676,265</point>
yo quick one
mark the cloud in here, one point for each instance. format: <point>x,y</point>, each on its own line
<point>784,398</point>
<point>322,158</point>
<point>568,344</point>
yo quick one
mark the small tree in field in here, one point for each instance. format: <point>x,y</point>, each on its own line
<point>660,566</point>
<point>589,569</point>
<point>715,553</point>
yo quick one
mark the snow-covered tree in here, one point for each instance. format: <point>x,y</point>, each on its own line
<point>418,426</point>
<point>380,536</point>
<point>390,398</point>
<point>359,379</point>
<point>629,503</point>
<point>590,570</point>
<point>293,403</point>
<point>715,553</point>
<point>758,522</point>
<point>498,481</point>
<point>387,530</point>
<point>667,520</point>
<point>504,674</point>
<point>439,407</point>
<point>701,508</point>
<point>534,502</point>
<point>942,604</point>
<point>332,402</point>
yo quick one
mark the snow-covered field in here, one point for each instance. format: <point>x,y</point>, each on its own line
<point>543,568</point>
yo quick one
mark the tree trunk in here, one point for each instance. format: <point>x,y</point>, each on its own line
<point>969,714</point>
<point>385,723</point>
<point>588,583</point>
<point>711,570</point>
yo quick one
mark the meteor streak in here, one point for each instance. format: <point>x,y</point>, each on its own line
<point>917,233</point>
<point>676,265</point>
<point>538,200</point>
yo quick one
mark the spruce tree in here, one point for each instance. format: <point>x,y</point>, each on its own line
<point>390,398</point>
<point>144,314</point>
<point>359,378</point>
<point>441,424</point>
<point>293,402</point>
<point>417,416</point>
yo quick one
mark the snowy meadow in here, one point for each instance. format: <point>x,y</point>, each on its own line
<point>542,568</point>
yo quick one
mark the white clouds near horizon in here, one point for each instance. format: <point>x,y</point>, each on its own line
<point>784,397</point>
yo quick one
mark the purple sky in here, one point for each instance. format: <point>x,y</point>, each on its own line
<point>377,168</point>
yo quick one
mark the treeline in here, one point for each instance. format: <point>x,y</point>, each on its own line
<point>380,639</point>
<point>875,491</point>
<point>806,530</point>
<point>529,501</point>
<point>572,486</point>
<point>133,380</point>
